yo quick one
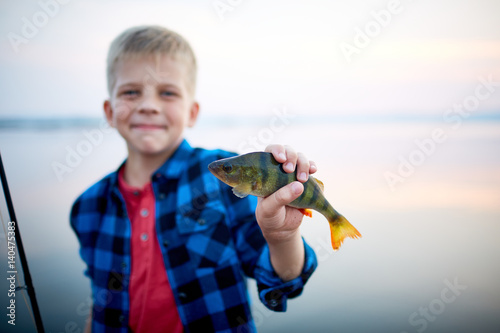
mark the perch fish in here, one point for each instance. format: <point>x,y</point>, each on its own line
<point>260,174</point>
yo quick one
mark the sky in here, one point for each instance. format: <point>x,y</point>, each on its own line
<point>315,57</point>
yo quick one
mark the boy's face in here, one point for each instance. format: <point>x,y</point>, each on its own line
<point>150,105</point>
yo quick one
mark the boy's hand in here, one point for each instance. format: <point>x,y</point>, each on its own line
<point>279,222</point>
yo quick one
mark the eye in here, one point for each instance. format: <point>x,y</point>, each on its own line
<point>227,167</point>
<point>130,93</point>
<point>168,93</point>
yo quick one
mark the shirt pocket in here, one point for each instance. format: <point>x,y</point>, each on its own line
<point>206,235</point>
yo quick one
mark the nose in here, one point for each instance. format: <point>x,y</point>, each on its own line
<point>149,103</point>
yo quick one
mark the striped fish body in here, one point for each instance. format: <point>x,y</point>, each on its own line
<point>261,175</point>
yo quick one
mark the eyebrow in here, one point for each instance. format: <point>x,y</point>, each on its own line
<point>135,85</point>
<point>169,85</point>
<point>129,84</point>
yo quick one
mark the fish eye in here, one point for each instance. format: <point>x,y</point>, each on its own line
<point>227,167</point>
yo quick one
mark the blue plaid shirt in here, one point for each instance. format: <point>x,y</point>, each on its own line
<point>209,239</point>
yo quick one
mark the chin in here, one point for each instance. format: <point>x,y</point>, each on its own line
<point>153,151</point>
<point>155,145</point>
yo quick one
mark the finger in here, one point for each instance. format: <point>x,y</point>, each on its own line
<point>302,168</point>
<point>278,152</point>
<point>312,167</point>
<point>281,198</point>
<point>291,160</point>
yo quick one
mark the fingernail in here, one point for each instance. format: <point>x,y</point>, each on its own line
<point>296,187</point>
<point>282,156</point>
<point>289,166</point>
<point>302,176</point>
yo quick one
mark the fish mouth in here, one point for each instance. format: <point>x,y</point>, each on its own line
<point>212,166</point>
<point>215,169</point>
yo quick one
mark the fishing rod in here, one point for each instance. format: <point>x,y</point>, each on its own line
<point>20,249</point>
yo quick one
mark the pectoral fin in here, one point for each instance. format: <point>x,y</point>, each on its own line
<point>242,190</point>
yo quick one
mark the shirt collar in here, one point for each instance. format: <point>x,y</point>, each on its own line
<point>129,190</point>
<point>176,163</point>
<point>172,167</point>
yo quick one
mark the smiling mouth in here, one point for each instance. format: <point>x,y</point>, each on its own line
<point>149,127</point>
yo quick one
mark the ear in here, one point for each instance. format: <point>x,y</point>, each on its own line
<point>193,114</point>
<point>108,112</point>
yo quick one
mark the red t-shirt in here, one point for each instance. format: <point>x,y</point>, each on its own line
<point>152,304</point>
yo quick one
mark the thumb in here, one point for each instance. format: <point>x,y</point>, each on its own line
<point>282,197</point>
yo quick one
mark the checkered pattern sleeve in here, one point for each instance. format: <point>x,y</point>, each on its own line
<point>254,254</point>
<point>273,291</point>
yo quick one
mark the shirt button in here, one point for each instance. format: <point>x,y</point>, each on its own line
<point>165,243</point>
<point>161,196</point>
<point>273,303</point>
<point>201,221</point>
<point>144,212</point>
<point>136,193</point>
<point>144,237</point>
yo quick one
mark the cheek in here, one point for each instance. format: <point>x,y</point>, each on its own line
<point>234,176</point>
<point>177,116</point>
<point>122,110</point>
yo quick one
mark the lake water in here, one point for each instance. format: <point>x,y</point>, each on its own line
<point>424,195</point>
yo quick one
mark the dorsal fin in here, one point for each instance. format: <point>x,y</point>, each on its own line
<point>320,183</point>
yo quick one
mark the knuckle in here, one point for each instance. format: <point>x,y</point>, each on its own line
<point>278,197</point>
<point>283,196</point>
<point>303,163</point>
<point>291,156</point>
<point>303,160</point>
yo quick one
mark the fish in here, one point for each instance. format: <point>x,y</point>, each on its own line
<point>259,174</point>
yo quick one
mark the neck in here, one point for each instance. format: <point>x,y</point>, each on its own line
<point>140,167</point>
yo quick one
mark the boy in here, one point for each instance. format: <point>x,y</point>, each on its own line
<point>166,244</point>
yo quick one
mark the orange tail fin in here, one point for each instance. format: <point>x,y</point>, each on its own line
<point>340,228</point>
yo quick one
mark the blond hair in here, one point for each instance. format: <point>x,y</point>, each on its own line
<point>151,41</point>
